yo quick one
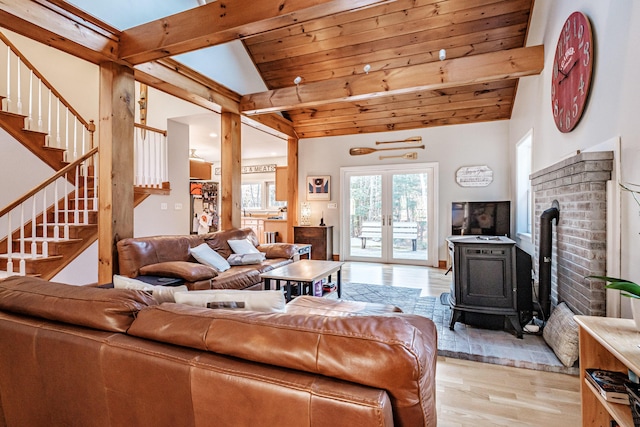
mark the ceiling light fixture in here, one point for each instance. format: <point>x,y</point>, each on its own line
<point>443,54</point>
<point>367,68</point>
<point>193,156</point>
<point>213,135</point>
<point>297,80</point>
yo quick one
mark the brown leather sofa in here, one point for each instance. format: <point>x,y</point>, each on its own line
<point>169,256</point>
<point>86,356</point>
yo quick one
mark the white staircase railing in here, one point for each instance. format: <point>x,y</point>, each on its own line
<point>151,160</point>
<point>28,93</point>
<point>45,213</point>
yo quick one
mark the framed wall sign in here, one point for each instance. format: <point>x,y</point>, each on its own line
<point>474,176</point>
<point>319,187</point>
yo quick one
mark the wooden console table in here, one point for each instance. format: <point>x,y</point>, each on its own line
<point>320,238</point>
<point>612,344</point>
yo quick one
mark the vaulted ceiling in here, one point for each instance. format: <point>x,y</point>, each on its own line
<point>390,37</point>
<point>327,43</point>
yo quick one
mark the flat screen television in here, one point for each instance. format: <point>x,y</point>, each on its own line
<point>481,218</point>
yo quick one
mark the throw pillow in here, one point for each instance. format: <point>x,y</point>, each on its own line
<point>189,271</point>
<point>242,247</point>
<point>207,256</point>
<point>160,293</point>
<point>246,259</point>
<point>266,301</point>
<point>561,334</point>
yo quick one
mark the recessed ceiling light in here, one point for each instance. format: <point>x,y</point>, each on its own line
<point>213,135</point>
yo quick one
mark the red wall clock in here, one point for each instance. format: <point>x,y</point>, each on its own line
<point>572,70</point>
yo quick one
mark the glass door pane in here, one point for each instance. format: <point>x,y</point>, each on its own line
<point>409,216</point>
<point>365,217</point>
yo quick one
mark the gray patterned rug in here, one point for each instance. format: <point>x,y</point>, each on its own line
<point>465,342</point>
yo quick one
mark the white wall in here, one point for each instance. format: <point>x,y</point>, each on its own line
<point>612,109</point>
<point>450,146</point>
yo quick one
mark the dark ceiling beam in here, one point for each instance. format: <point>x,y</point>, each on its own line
<point>488,67</point>
<point>223,21</point>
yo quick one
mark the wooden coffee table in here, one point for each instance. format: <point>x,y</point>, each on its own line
<point>305,272</point>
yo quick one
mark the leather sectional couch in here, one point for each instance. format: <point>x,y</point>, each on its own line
<point>86,356</point>
<point>170,256</point>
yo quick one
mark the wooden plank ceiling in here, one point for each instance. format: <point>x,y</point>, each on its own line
<point>393,36</point>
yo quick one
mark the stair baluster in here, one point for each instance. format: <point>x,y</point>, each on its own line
<point>34,244</point>
<point>9,246</point>
<point>45,231</point>
<point>8,99</point>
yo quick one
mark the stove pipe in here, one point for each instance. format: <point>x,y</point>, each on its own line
<point>544,270</point>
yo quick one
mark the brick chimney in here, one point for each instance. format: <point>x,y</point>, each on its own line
<point>579,184</point>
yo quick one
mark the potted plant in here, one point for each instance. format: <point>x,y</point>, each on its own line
<point>628,289</point>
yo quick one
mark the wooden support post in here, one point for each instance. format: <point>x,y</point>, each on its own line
<point>231,165</point>
<point>292,186</point>
<point>115,213</point>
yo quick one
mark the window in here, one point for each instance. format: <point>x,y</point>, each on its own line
<point>272,202</point>
<point>260,196</point>
<point>252,195</point>
<point>523,184</point>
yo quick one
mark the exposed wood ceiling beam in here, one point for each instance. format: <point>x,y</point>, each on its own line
<point>166,76</point>
<point>223,21</point>
<point>508,64</point>
<point>61,26</point>
<point>270,123</point>
<point>175,79</point>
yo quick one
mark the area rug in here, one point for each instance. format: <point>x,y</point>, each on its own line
<point>464,342</point>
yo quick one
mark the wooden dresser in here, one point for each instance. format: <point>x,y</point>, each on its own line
<point>320,239</point>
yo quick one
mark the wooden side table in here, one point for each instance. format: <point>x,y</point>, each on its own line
<point>320,238</point>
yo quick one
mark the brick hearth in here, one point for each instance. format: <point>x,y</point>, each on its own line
<point>579,238</point>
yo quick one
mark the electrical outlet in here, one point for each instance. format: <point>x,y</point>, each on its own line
<point>178,206</point>
<point>332,206</point>
<point>163,206</point>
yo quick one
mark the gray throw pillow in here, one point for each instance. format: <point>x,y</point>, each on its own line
<point>561,334</point>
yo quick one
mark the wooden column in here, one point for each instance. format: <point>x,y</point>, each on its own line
<point>231,171</point>
<point>292,185</point>
<point>115,213</point>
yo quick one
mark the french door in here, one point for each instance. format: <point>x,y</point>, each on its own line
<point>390,214</point>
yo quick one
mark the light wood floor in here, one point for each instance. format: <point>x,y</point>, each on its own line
<point>479,394</point>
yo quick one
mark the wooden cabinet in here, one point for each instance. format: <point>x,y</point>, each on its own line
<point>199,170</point>
<point>612,344</point>
<point>281,183</point>
<point>320,239</point>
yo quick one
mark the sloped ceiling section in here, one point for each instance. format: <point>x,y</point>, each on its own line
<point>405,34</point>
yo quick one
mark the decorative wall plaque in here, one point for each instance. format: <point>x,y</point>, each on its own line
<point>253,169</point>
<point>474,176</point>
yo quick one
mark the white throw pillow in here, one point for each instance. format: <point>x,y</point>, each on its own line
<point>124,282</point>
<point>160,293</point>
<point>207,256</point>
<point>246,259</point>
<point>267,301</point>
<point>242,247</point>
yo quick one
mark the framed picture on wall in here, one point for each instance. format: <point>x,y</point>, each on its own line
<point>319,187</point>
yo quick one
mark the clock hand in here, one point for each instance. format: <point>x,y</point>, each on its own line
<point>566,73</point>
